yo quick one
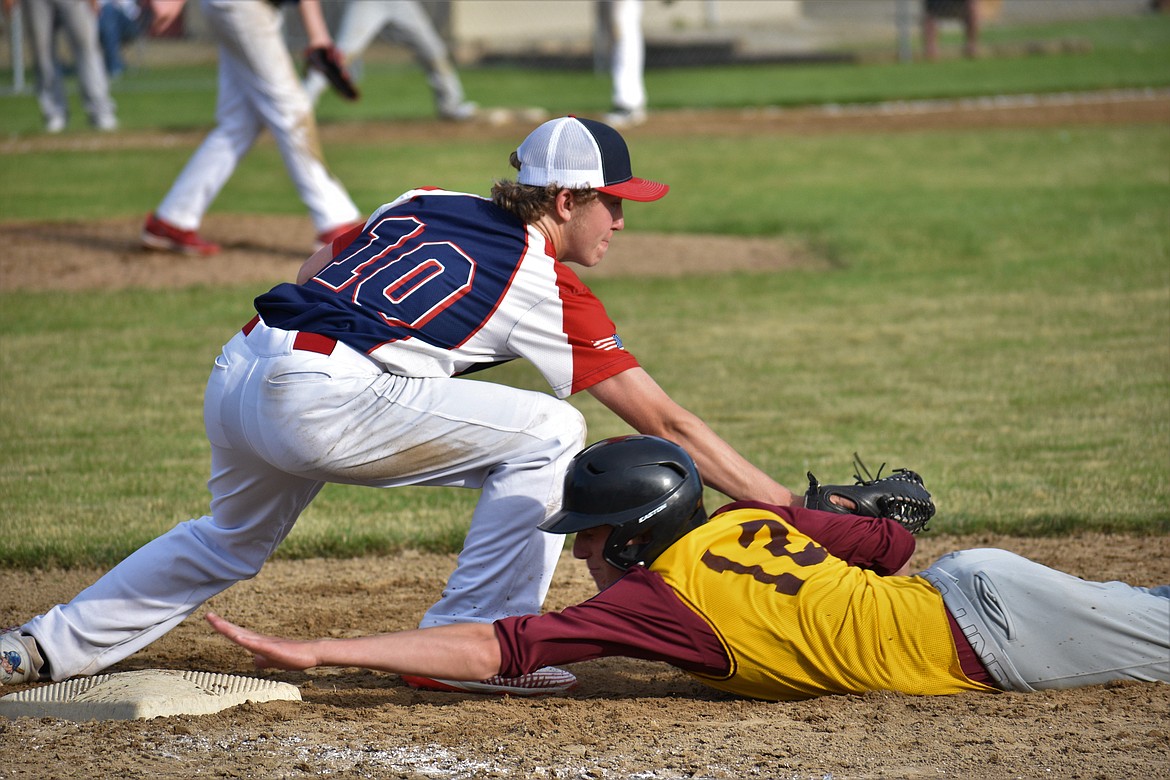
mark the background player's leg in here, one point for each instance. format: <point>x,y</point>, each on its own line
<point>418,32</point>
<point>39,22</point>
<point>216,159</point>
<point>267,79</point>
<point>361,21</point>
<point>79,22</point>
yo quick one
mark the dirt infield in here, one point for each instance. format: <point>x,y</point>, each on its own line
<point>627,719</point>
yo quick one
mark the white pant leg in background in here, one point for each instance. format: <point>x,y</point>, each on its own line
<point>628,56</point>
<point>38,19</point>
<point>78,21</point>
<point>283,422</point>
<point>414,28</point>
<point>359,26</point>
<point>213,163</point>
<point>258,88</point>
<point>363,20</point>
<point>1035,628</point>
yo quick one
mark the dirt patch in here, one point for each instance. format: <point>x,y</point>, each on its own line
<point>627,719</point>
<point>77,256</point>
<point>106,255</point>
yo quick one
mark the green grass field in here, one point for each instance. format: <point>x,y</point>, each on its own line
<point>997,315</point>
<point>1120,53</point>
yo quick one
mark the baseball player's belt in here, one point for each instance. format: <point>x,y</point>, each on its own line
<point>306,342</point>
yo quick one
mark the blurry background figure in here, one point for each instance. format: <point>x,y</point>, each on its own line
<point>619,38</point>
<point>966,11</point>
<point>411,25</point>
<point>120,22</point>
<point>78,20</point>
<point>259,89</point>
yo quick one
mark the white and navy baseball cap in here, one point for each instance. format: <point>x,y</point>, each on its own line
<point>576,153</point>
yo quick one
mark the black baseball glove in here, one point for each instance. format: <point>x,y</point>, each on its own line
<point>901,496</point>
<point>328,60</point>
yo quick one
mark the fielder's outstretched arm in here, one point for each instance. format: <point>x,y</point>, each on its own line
<point>311,267</point>
<point>634,396</point>
<point>460,651</point>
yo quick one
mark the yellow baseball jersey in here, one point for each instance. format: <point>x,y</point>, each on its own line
<point>797,622</point>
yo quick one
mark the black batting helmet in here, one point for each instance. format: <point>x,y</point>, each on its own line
<point>645,487</point>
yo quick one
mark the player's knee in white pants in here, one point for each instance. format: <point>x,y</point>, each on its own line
<point>507,562</point>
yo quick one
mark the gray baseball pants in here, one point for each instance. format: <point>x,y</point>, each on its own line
<point>79,22</point>
<point>1035,628</point>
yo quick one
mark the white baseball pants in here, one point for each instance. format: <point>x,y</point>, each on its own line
<point>283,421</point>
<point>258,88</point>
<point>622,19</point>
<point>363,20</point>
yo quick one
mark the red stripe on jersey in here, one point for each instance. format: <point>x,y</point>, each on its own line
<point>586,326</point>
<point>500,299</point>
<point>346,238</point>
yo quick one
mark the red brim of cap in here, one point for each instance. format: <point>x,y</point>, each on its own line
<point>637,189</point>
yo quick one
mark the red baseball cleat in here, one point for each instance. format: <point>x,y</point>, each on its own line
<point>165,237</point>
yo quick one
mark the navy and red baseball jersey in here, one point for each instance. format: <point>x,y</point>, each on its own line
<point>443,283</point>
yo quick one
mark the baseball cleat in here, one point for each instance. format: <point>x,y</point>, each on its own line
<point>625,117</point>
<point>461,112</point>
<point>165,237</point>
<point>329,236</point>
<point>20,659</point>
<point>543,682</point>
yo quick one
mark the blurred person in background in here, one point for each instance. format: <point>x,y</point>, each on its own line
<point>79,21</point>
<point>966,11</point>
<point>258,88</point>
<point>409,22</point>
<point>619,35</point>
<point>120,22</point>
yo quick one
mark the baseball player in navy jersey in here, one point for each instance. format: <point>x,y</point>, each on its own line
<point>352,375</point>
<point>258,89</point>
<point>777,603</point>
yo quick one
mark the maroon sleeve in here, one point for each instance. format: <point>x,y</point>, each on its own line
<point>875,543</point>
<point>639,616</point>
